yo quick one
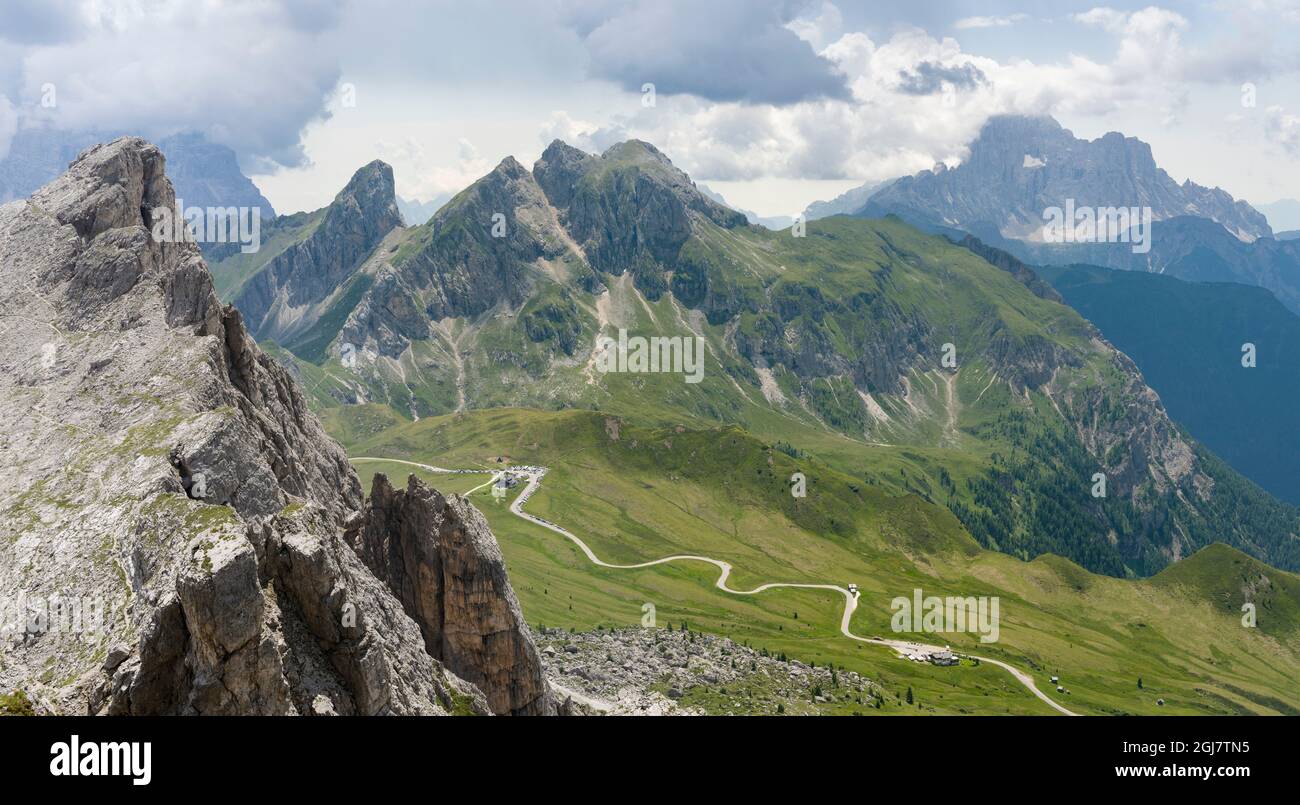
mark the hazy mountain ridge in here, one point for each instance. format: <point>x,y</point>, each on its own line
<point>1020,166</point>
<point>204,173</point>
<point>846,203</point>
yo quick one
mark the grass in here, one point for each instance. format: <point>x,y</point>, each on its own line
<point>722,493</point>
<point>16,704</point>
<point>229,275</point>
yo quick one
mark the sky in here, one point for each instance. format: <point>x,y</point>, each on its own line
<point>773,103</point>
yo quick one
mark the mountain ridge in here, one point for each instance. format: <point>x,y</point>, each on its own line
<point>499,300</point>
<point>1018,167</point>
<point>167,474</point>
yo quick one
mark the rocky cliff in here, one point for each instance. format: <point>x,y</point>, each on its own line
<point>172,539</point>
<point>1020,166</point>
<point>440,559</point>
<point>289,294</point>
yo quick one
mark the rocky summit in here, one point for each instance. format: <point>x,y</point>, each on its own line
<point>1019,166</point>
<point>176,525</point>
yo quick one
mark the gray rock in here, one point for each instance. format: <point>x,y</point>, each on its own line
<point>440,559</point>
<point>1020,166</point>
<point>166,473</point>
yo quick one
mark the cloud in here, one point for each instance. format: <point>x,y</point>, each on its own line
<point>8,125</point>
<point>989,22</point>
<point>248,75</point>
<point>722,50</point>
<point>422,176</point>
<point>928,78</point>
<point>42,21</point>
<point>1282,129</point>
<point>915,100</point>
<point>1102,17</point>
<point>821,28</point>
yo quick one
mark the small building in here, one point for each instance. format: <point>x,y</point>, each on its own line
<point>944,657</point>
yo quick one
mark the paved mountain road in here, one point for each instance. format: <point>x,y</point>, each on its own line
<point>904,647</point>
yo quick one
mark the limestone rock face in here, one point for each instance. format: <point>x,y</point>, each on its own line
<point>287,296</point>
<point>173,516</point>
<point>440,559</point>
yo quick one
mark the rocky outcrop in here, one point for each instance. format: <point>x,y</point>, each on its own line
<point>475,253</point>
<point>440,559</point>
<point>173,517</point>
<point>657,671</point>
<point>289,294</point>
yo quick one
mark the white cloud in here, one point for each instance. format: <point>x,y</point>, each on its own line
<point>916,100</point>
<point>989,22</point>
<point>1102,17</point>
<point>1282,129</point>
<point>821,28</point>
<point>423,176</point>
<point>249,75</point>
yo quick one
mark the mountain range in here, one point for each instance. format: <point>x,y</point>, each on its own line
<point>499,301</point>
<point>951,416</point>
<point>1019,168</point>
<point>204,173</point>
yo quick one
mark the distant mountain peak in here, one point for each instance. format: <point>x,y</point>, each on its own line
<point>1020,166</point>
<point>291,290</point>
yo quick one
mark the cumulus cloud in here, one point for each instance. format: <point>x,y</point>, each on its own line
<point>723,50</point>
<point>246,74</point>
<point>989,22</point>
<point>915,100</point>
<point>818,25</point>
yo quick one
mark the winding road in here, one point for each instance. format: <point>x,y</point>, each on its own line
<point>903,647</point>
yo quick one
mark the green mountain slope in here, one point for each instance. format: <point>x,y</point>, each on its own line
<point>637,493</point>
<point>1187,338</point>
<point>862,337</point>
<point>299,288</point>
<point>951,416</point>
